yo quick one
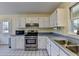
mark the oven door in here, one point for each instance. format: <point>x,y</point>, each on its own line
<point>30,41</point>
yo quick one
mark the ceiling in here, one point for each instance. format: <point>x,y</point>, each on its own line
<point>27,7</point>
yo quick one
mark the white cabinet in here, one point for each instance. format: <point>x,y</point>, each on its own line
<point>22,22</point>
<point>13,44</point>
<point>60,17</point>
<point>43,22</point>
<point>52,49</point>
<point>31,19</point>
<point>48,47</point>
<point>55,51</point>
<point>19,42</point>
<point>57,18</point>
<point>46,22</point>
<point>28,19</point>
<point>34,19</point>
<point>42,42</point>
<point>17,22</point>
<point>53,19</point>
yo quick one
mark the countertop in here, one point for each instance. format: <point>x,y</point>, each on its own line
<point>52,38</point>
<point>70,35</point>
<point>16,35</point>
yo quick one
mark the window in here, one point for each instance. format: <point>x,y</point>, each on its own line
<point>75,18</point>
<point>5,27</point>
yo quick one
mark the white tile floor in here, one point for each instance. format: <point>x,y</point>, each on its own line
<point>9,52</point>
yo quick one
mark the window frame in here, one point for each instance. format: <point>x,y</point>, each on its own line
<point>4,29</point>
<point>71,18</point>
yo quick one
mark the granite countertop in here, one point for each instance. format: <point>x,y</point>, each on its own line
<point>52,38</point>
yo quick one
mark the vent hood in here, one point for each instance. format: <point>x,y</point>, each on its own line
<point>32,25</point>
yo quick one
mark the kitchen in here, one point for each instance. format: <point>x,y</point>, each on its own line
<point>39,29</point>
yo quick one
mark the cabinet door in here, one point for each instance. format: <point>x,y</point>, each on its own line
<point>46,22</point>
<point>41,23</point>
<point>42,42</point>
<point>60,17</point>
<point>28,19</point>
<point>48,47</point>
<point>22,22</point>
<point>19,43</point>
<point>17,22</point>
<point>34,19</point>
<point>53,53</point>
<point>54,49</point>
<point>13,44</point>
<point>53,19</point>
<point>62,53</point>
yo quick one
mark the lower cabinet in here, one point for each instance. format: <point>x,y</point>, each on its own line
<point>17,42</point>
<point>48,47</point>
<point>13,45</point>
<point>42,42</point>
<point>54,50</point>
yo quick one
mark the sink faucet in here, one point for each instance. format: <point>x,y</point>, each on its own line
<point>66,43</point>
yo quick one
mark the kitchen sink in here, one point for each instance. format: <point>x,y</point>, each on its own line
<point>64,42</point>
<point>73,48</point>
<point>69,45</point>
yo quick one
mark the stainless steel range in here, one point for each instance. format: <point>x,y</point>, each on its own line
<point>31,40</point>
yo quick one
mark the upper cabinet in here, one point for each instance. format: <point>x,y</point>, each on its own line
<point>41,20</point>
<point>44,22</point>
<point>53,19</point>
<point>34,19</point>
<point>28,19</point>
<point>31,19</point>
<point>20,22</point>
<point>57,18</point>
